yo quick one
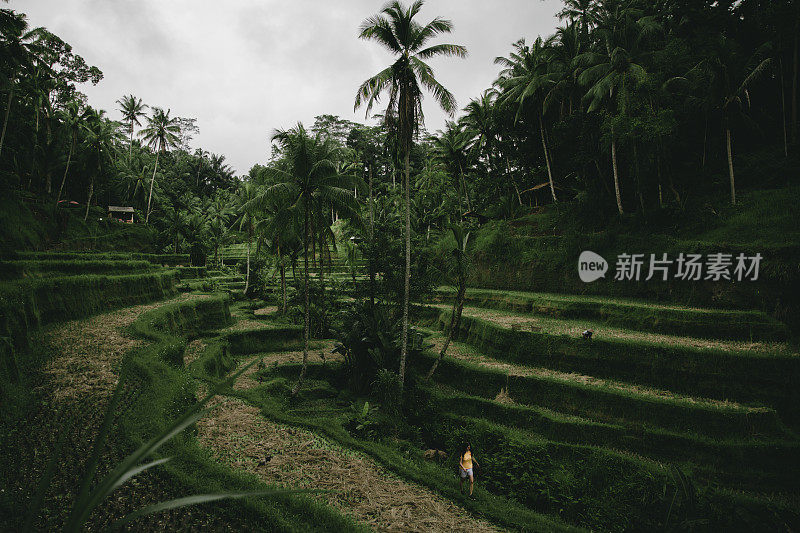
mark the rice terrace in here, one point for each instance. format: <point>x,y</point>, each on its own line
<point>438,266</point>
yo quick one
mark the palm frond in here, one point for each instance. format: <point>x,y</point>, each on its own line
<point>445,50</point>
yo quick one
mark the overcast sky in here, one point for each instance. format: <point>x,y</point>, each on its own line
<point>245,67</point>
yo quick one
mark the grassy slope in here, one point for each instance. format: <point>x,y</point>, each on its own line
<point>543,249</point>
<point>325,417</point>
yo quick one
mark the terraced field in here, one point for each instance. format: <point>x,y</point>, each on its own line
<point>721,407</point>
<point>646,426</point>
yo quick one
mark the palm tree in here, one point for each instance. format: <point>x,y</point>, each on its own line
<point>102,135</point>
<point>17,50</point>
<point>276,224</point>
<point>132,110</point>
<point>176,220</point>
<point>133,182</point>
<point>581,12</point>
<point>246,221</point>
<point>480,121</point>
<point>309,178</point>
<point>615,71</point>
<point>161,134</point>
<point>219,211</point>
<point>460,260</point>
<point>529,77</point>
<point>397,31</point>
<point>73,119</point>
<point>451,147</point>
<point>730,79</point>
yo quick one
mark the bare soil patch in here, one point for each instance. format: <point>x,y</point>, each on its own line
<point>289,457</point>
<point>193,351</point>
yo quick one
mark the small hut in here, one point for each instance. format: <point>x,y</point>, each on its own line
<point>123,214</point>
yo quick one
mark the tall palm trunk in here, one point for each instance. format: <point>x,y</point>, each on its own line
<point>511,178</point>
<point>372,241</point>
<point>455,319</point>
<point>730,165</point>
<point>705,142</point>
<point>783,111</point>
<point>466,192</point>
<point>152,181</point>
<point>130,146</point>
<point>547,160</point>
<point>306,328</point>
<point>322,270</point>
<point>69,159</point>
<point>616,174</point>
<point>89,199</point>
<point>407,284</point>
<point>48,177</point>
<point>247,275</point>
<point>795,74</point>
<point>283,277</point>
<point>464,186</point>
<point>5,120</point>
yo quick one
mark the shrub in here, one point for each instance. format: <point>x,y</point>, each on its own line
<point>369,341</point>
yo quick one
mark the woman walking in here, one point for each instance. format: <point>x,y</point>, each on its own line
<point>465,463</point>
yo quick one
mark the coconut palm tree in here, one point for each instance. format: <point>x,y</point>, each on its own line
<point>613,71</point>
<point>219,211</point>
<point>308,179</point>
<point>102,136</point>
<point>132,110</point>
<point>460,264</point>
<point>397,31</point>
<point>580,12</point>
<point>452,147</point>
<point>73,118</point>
<point>276,225</point>
<point>161,134</point>
<point>133,181</point>
<point>479,120</point>
<point>246,218</point>
<point>529,78</point>
<point>17,51</point>
<point>729,78</point>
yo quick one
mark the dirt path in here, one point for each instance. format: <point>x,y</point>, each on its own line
<point>573,328</point>
<point>77,385</point>
<point>89,351</point>
<point>464,352</point>
<point>238,435</point>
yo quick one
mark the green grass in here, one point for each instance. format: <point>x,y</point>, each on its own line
<point>631,314</point>
<point>58,267</point>
<point>157,259</point>
<point>705,372</point>
<point>317,413</point>
<point>588,486</point>
<point>28,304</point>
<point>544,250</point>
<point>731,455</point>
<point>164,389</point>
<point>606,403</point>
